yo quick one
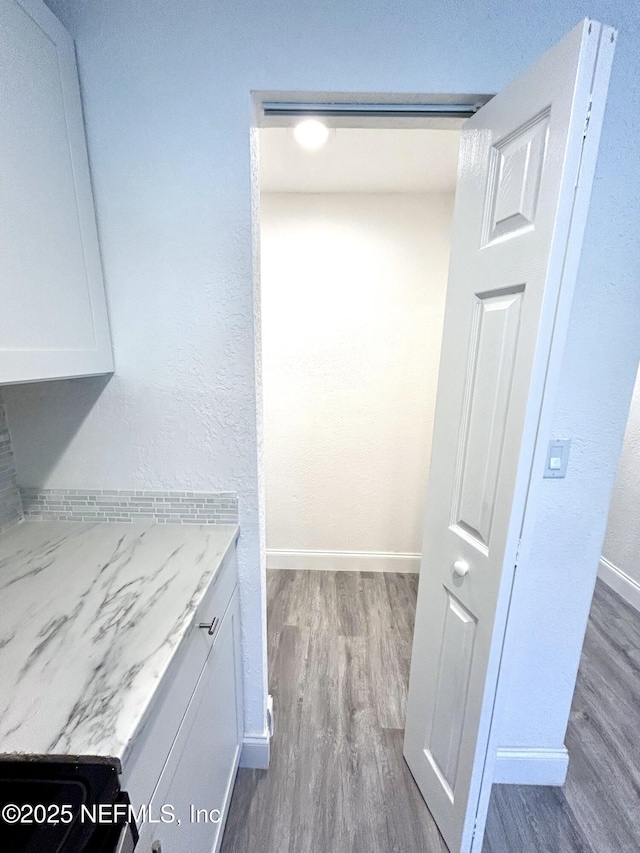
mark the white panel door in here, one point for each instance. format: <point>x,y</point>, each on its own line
<point>518,223</point>
<point>53,317</point>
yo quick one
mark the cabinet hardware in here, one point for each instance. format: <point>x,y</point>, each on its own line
<point>211,628</point>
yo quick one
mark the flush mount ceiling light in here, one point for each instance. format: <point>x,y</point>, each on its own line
<point>311,133</point>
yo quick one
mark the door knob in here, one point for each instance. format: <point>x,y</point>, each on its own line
<point>460,568</point>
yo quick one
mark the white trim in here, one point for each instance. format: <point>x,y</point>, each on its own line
<point>256,750</point>
<point>256,747</point>
<point>530,766</point>
<point>271,721</point>
<point>620,582</point>
<point>343,561</point>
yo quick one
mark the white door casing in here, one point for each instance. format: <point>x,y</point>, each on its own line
<point>53,320</point>
<point>518,225</point>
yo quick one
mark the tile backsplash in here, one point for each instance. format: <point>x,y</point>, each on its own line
<point>104,505</point>
<point>170,507</point>
<point>10,501</point>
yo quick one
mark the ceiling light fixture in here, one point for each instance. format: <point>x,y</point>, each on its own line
<point>311,133</point>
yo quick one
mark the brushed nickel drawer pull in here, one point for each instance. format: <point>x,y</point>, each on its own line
<point>211,628</point>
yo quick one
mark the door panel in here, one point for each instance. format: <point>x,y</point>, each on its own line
<point>515,170</point>
<point>520,159</point>
<point>494,338</point>
<point>454,668</point>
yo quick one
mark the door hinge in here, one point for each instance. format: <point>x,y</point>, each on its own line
<point>587,119</point>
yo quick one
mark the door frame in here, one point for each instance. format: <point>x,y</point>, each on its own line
<point>352,110</point>
<point>391,112</point>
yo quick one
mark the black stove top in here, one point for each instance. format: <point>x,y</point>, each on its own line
<point>49,806</point>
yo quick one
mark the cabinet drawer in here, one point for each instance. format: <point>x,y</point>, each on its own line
<point>216,601</point>
<point>198,778</point>
<point>151,748</point>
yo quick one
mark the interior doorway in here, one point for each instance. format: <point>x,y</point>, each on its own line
<point>523,191</point>
<point>355,240</point>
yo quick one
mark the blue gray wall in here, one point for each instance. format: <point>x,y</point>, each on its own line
<point>166,92</point>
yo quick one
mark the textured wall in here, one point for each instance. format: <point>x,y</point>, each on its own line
<point>166,90</point>
<point>10,501</point>
<point>353,290</point>
<point>622,542</point>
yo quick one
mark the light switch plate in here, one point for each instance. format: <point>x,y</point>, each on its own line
<point>557,458</point>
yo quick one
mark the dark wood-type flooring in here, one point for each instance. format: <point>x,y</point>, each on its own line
<point>339,652</point>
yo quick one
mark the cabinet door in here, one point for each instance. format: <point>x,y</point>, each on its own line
<point>158,733</point>
<point>201,768</point>
<point>53,314</point>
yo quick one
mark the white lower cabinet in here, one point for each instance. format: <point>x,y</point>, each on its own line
<point>197,778</point>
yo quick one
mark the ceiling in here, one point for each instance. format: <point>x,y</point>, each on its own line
<point>357,160</point>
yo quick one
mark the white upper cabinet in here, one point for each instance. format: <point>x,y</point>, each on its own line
<point>53,313</point>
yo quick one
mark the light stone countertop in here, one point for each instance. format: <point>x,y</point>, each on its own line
<point>91,615</point>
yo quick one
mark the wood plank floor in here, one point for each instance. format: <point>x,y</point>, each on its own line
<point>598,809</point>
<point>339,653</point>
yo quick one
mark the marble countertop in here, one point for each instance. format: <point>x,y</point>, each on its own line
<point>90,617</point>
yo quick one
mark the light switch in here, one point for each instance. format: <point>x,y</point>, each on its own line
<point>557,458</point>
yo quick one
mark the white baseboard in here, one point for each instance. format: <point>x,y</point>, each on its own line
<point>256,747</point>
<point>343,561</point>
<point>620,582</point>
<point>256,751</point>
<point>528,766</point>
